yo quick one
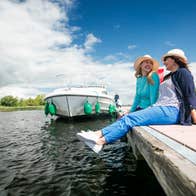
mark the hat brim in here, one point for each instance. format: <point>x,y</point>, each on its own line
<point>182,58</point>
<point>141,59</point>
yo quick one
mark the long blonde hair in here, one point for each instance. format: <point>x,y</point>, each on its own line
<point>138,73</point>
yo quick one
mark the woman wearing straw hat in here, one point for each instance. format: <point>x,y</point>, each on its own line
<point>184,84</point>
<point>147,84</point>
<point>176,104</point>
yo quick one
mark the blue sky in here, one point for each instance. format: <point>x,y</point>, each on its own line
<point>47,44</point>
<point>146,26</point>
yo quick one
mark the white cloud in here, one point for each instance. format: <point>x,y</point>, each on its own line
<point>32,58</point>
<point>90,41</point>
<point>37,53</point>
<point>110,58</point>
<point>193,70</point>
<point>117,57</point>
<point>20,92</point>
<point>68,2</point>
<point>131,46</point>
<point>27,37</point>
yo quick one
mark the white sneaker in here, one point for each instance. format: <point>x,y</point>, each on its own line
<point>95,147</point>
<point>89,131</point>
<point>87,136</point>
<point>90,138</point>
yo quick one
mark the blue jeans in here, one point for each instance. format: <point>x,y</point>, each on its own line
<point>156,115</point>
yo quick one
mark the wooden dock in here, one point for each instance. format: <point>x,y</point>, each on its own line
<point>170,151</point>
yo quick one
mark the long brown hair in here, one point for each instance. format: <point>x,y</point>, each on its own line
<point>179,62</point>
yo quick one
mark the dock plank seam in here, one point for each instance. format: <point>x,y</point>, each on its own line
<point>188,153</point>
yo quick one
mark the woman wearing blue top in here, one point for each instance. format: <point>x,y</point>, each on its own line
<point>176,104</point>
<point>147,84</point>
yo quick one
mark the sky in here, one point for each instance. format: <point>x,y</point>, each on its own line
<point>48,44</point>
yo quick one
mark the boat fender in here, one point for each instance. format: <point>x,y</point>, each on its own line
<point>112,109</point>
<point>97,108</point>
<point>87,108</point>
<point>46,109</point>
<point>52,109</point>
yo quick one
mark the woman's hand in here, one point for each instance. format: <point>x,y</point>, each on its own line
<point>121,113</point>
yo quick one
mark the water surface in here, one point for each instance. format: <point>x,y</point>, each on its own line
<point>40,157</point>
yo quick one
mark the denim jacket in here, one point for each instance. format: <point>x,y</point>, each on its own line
<point>185,91</point>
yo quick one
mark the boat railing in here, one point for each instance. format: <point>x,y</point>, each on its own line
<point>87,86</point>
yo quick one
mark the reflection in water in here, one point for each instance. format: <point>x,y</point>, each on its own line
<point>43,157</point>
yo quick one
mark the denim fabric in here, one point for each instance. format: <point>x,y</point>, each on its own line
<point>156,115</point>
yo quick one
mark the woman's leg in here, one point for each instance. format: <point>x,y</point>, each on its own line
<point>158,115</point>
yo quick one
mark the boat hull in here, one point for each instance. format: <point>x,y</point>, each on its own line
<point>73,105</point>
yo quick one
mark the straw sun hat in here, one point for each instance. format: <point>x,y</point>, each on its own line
<point>146,57</point>
<point>176,53</point>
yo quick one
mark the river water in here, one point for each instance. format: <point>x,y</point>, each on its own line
<point>40,157</point>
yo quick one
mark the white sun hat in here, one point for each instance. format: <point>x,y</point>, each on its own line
<point>146,57</point>
<point>176,53</point>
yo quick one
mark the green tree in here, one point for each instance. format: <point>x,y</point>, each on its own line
<point>21,102</point>
<point>9,101</point>
<point>39,100</point>
<point>14,101</point>
<point>29,102</point>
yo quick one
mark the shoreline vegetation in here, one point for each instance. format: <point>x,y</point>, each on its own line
<point>10,103</point>
<point>20,108</point>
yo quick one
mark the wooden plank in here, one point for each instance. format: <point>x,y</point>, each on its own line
<point>185,135</point>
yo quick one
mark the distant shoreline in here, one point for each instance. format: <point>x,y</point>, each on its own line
<point>20,108</point>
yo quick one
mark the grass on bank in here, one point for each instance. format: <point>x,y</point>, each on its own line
<point>20,108</point>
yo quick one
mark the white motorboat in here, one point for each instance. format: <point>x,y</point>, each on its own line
<point>79,101</point>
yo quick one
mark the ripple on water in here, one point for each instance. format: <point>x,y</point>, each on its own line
<point>40,157</point>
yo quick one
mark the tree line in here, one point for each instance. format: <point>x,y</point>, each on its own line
<point>11,101</point>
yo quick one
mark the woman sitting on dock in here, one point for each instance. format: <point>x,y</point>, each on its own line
<point>176,104</point>
<point>147,84</point>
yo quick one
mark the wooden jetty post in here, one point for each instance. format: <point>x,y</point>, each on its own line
<point>170,151</point>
